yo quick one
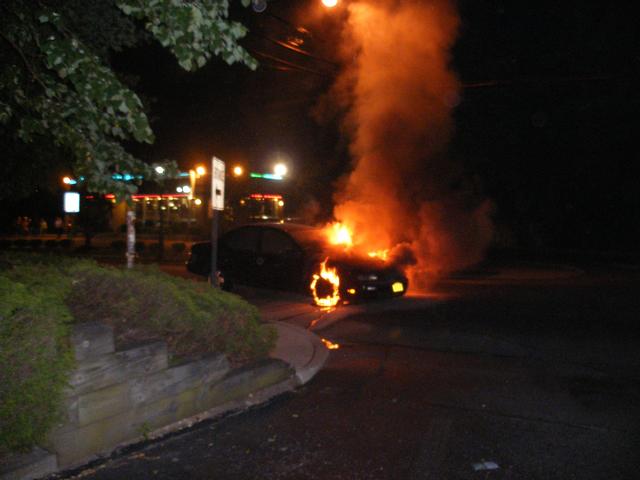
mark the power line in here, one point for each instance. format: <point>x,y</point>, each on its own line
<point>288,64</point>
<point>540,80</point>
<point>299,50</point>
<point>282,20</point>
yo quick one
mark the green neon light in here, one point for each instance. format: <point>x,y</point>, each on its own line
<point>267,176</point>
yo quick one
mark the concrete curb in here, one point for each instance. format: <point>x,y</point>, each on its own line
<point>34,464</point>
<point>257,397</point>
<point>301,349</point>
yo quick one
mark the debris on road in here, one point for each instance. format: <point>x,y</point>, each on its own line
<point>485,466</point>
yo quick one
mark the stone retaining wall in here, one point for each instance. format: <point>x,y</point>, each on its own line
<point>120,397</point>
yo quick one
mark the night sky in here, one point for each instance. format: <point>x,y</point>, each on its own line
<point>546,122</point>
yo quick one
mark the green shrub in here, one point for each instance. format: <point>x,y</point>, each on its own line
<point>35,357</point>
<point>191,317</point>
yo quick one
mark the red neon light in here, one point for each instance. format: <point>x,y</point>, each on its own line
<point>265,196</point>
<point>155,196</point>
<point>151,196</point>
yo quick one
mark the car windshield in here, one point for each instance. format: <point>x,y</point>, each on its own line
<point>314,240</point>
<point>310,238</point>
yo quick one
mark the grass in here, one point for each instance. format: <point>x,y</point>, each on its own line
<point>34,354</point>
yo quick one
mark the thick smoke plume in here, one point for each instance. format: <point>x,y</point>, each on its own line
<point>399,92</point>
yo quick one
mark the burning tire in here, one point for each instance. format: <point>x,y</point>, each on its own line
<point>325,286</point>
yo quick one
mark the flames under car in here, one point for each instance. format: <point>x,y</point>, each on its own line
<point>297,258</point>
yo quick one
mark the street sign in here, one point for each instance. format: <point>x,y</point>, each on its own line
<point>71,202</point>
<point>217,184</point>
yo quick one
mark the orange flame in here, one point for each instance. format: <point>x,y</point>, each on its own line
<point>340,234</point>
<point>329,275</point>
<point>330,345</point>
<point>381,254</point>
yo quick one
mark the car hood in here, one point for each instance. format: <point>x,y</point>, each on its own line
<point>357,265</point>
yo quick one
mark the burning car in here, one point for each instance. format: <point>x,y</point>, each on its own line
<point>297,258</point>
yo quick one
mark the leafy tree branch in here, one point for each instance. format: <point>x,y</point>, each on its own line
<point>57,83</point>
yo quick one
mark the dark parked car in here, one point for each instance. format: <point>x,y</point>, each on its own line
<point>286,256</point>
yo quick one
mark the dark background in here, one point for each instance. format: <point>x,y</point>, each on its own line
<point>546,122</point>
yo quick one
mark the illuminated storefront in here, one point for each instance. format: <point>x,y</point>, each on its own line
<point>173,212</point>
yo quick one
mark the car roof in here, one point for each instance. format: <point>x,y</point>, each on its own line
<point>287,227</point>
<point>306,235</point>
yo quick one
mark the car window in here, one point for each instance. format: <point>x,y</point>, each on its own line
<point>242,240</point>
<point>314,239</point>
<point>275,242</point>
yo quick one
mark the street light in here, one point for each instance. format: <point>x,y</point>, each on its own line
<point>194,174</point>
<point>259,6</point>
<point>238,171</point>
<point>190,190</point>
<point>280,169</point>
<point>330,3</point>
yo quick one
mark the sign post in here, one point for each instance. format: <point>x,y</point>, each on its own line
<point>217,205</point>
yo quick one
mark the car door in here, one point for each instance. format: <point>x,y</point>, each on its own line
<point>238,256</point>
<point>282,260</point>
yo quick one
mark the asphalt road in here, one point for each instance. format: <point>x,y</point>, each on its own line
<point>507,376</point>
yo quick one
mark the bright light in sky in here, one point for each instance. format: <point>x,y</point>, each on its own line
<point>330,3</point>
<point>280,169</point>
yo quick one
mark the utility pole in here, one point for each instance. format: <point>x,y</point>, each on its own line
<point>131,237</point>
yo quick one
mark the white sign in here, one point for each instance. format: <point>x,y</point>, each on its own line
<point>71,202</point>
<point>217,183</point>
